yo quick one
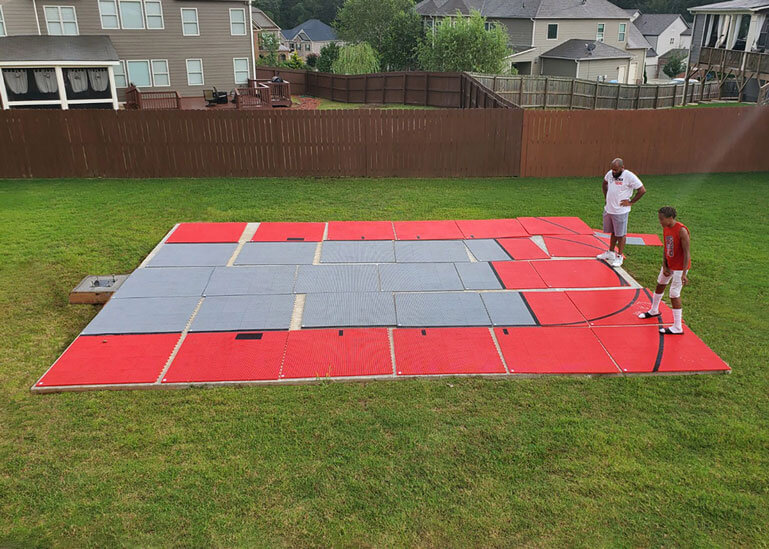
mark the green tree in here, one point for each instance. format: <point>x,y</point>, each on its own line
<point>312,60</point>
<point>400,46</point>
<point>269,43</point>
<point>289,13</point>
<point>463,44</point>
<point>369,20</point>
<point>328,54</point>
<point>295,62</point>
<point>356,59</point>
<point>675,65</point>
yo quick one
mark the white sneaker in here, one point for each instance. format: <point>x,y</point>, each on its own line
<point>617,261</point>
<point>607,255</point>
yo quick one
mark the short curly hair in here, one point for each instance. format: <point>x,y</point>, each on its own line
<point>668,211</point>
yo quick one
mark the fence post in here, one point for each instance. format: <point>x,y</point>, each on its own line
<point>365,88</point>
<point>595,97</point>
<point>637,96</point>
<point>657,97</point>
<point>405,81</point>
<point>520,92</point>
<point>571,95</point>
<point>427,88</point>
<point>619,92</point>
<point>544,103</point>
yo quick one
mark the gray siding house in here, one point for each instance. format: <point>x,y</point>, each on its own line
<point>181,45</point>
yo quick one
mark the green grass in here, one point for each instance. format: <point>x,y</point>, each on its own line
<point>706,105</point>
<point>327,104</point>
<point>634,462</point>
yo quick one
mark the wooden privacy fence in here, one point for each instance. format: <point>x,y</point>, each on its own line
<point>427,89</point>
<point>144,144</point>
<point>555,92</point>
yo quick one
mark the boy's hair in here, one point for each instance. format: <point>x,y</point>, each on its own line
<point>668,211</point>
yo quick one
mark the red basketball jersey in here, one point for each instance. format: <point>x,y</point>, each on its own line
<point>673,251</point>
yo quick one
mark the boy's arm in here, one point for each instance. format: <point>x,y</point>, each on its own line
<point>684,235</point>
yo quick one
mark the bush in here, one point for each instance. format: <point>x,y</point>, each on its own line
<point>674,66</point>
<point>312,60</point>
<point>328,54</point>
<point>294,62</point>
<point>356,59</point>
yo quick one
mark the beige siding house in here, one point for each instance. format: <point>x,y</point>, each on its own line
<point>309,38</point>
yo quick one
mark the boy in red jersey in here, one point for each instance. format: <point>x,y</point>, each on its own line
<point>676,261</point>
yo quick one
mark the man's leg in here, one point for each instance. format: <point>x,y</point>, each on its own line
<point>619,222</point>
<point>621,244</point>
<point>612,242</point>
<point>608,228</point>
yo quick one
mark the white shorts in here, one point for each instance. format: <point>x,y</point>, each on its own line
<point>675,277</point>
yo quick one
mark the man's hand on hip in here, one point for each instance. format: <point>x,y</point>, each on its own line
<point>625,202</point>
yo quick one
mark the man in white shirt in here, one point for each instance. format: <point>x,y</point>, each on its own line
<point>619,186</point>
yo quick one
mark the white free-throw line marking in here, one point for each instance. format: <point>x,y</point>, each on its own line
<point>247,235</point>
<point>161,377</point>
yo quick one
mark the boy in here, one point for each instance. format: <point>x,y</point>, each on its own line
<point>676,261</point>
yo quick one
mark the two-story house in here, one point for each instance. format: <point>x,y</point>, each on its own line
<point>264,26</point>
<point>309,37</point>
<point>667,33</point>
<point>181,45</point>
<point>538,28</point>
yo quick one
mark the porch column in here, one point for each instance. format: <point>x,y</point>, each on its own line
<point>62,89</point>
<point>3,92</point>
<point>112,87</point>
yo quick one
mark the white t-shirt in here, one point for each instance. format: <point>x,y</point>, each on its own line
<point>619,190</point>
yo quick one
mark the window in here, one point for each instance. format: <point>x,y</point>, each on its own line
<point>429,24</point>
<point>160,75</point>
<point>237,22</point>
<point>552,31</point>
<point>60,20</point>
<point>190,25</point>
<point>139,73</point>
<point>3,32</point>
<point>672,41</point>
<point>120,79</point>
<point>622,32</point>
<point>307,47</point>
<point>599,34</point>
<point>108,14</point>
<point>488,25</point>
<point>131,14</point>
<point>153,11</point>
<point>195,72</point>
<point>240,65</point>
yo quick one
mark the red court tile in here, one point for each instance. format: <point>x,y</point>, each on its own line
<point>435,351</point>
<point>204,233</point>
<point>555,225</point>
<point>427,230</point>
<point>228,356</point>
<point>114,359</point>
<point>554,308</point>
<point>360,230</point>
<point>555,350</point>
<point>576,245</point>
<point>578,273</point>
<point>522,248</point>
<point>337,353</point>
<point>282,232</point>
<point>617,307</point>
<point>491,228</point>
<point>642,349</point>
<point>518,275</point>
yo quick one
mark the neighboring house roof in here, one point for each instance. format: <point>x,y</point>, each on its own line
<point>262,20</point>
<point>733,5</point>
<point>684,52</point>
<point>577,50</point>
<point>654,24</point>
<point>525,9</point>
<point>651,52</point>
<point>57,48</point>
<point>687,32</point>
<point>316,30</point>
<point>636,40</point>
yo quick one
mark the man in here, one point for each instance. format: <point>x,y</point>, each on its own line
<point>676,261</point>
<point>618,187</point>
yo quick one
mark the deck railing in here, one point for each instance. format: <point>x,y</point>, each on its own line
<point>153,101</point>
<point>258,97</point>
<point>734,60</point>
<point>280,92</point>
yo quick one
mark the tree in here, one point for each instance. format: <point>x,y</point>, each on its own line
<point>356,59</point>
<point>328,54</point>
<point>400,46</point>
<point>463,44</point>
<point>269,42</point>
<point>294,62</point>
<point>675,65</point>
<point>369,20</point>
<point>312,60</point>
<point>289,13</point>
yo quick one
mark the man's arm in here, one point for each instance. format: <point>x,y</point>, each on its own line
<point>605,187</point>
<point>639,192</point>
<point>684,235</point>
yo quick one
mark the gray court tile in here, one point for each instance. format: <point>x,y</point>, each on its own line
<point>507,309</point>
<point>276,253</point>
<point>419,277</point>
<point>143,315</point>
<point>487,250</point>
<point>635,241</point>
<point>440,309</point>
<point>336,278</point>
<point>165,282</point>
<point>430,251</point>
<point>478,276</point>
<point>357,252</point>
<point>250,312</point>
<point>263,279</point>
<point>350,309</point>
<point>192,255</point>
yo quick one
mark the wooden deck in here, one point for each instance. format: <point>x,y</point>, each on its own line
<point>260,94</point>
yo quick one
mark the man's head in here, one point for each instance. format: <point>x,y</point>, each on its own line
<point>617,167</point>
<point>667,216</point>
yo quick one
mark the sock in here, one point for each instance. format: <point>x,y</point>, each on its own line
<point>677,317</point>
<point>656,299</point>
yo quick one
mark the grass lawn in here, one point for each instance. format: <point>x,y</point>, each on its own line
<point>665,461</point>
<point>716,104</point>
<point>328,105</point>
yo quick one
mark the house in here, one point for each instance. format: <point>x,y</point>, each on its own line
<point>262,25</point>
<point>161,45</point>
<point>309,37</point>
<point>731,40</point>
<point>667,33</point>
<point>590,61</point>
<point>541,27</point>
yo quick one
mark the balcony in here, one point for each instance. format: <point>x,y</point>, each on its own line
<point>753,65</point>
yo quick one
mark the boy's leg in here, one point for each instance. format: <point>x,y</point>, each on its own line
<point>654,310</point>
<point>675,300</point>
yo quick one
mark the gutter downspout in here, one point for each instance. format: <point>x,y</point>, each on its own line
<point>251,35</point>
<point>37,17</point>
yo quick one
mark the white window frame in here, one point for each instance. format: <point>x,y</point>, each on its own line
<point>153,72</point>
<point>128,75</point>
<point>197,20</point>
<point>61,21</point>
<point>120,11</point>
<point>235,71</point>
<point>600,32</point>
<point>622,34</point>
<point>202,75</point>
<point>245,22</point>
<point>162,17</point>
<point>2,22</point>
<point>547,32</point>
<point>117,15</point>
<point>125,75</point>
